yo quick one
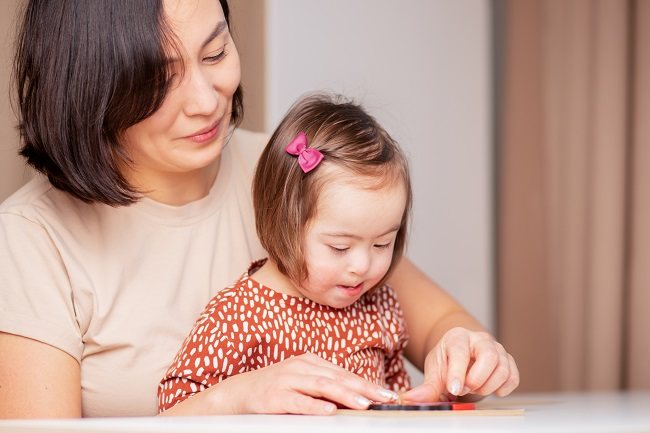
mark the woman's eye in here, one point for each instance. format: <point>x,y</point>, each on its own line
<point>383,246</point>
<point>216,57</point>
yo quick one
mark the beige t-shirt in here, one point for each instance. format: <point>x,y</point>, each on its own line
<point>119,288</point>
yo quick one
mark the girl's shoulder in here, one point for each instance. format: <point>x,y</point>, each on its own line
<point>384,295</point>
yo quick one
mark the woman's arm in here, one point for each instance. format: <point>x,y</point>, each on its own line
<point>455,352</point>
<point>429,311</point>
<point>304,384</point>
<point>37,380</point>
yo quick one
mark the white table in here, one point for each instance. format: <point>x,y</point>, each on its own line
<point>557,412</point>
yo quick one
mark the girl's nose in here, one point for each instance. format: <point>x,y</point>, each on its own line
<point>359,263</point>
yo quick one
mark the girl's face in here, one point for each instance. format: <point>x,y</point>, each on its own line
<point>349,244</point>
<point>187,132</point>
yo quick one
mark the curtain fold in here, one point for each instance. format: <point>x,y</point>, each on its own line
<point>573,295</point>
<point>637,375</point>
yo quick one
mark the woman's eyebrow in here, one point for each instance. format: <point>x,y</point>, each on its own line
<point>220,27</point>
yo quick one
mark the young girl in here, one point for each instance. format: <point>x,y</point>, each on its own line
<point>332,197</point>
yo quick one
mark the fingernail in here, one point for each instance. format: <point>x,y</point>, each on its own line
<point>466,390</point>
<point>362,401</point>
<point>390,395</point>
<point>454,388</point>
<point>329,408</point>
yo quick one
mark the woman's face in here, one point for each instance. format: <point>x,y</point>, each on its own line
<point>187,132</point>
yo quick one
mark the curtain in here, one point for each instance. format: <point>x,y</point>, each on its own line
<point>574,192</point>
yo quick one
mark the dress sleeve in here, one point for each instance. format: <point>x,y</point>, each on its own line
<point>206,357</point>
<point>397,378</point>
<point>36,299</point>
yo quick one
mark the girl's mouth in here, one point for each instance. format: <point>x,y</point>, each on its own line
<point>352,290</point>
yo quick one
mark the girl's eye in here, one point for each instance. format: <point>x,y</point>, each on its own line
<point>217,57</point>
<point>338,250</point>
<point>383,246</point>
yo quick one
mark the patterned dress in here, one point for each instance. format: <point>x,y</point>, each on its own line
<point>248,326</point>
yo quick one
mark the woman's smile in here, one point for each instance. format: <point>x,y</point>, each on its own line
<point>206,134</point>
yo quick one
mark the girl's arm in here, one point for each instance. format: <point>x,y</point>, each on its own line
<point>37,380</point>
<point>455,352</point>
<point>304,384</point>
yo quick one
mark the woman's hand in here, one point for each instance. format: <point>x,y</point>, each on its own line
<point>463,363</point>
<point>305,384</point>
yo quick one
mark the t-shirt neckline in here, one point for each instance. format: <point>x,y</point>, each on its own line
<point>196,210</point>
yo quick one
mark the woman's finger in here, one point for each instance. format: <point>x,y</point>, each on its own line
<point>435,373</point>
<point>301,404</point>
<point>350,382</point>
<point>457,348</point>
<point>425,392</point>
<point>513,381</point>
<point>487,356</point>
<point>329,389</point>
<point>498,377</point>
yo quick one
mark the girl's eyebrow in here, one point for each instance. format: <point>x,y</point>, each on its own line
<point>220,27</point>
<point>353,236</point>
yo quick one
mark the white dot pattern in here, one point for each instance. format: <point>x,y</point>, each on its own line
<point>248,326</point>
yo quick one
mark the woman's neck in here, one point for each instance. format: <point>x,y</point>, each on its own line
<point>176,189</point>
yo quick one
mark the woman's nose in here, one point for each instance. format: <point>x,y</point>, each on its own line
<point>202,97</point>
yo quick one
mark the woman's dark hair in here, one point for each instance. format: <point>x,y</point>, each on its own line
<point>85,71</point>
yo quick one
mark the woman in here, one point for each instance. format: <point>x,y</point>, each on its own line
<point>130,109</point>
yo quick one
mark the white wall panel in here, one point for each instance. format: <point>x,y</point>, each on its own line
<point>422,67</point>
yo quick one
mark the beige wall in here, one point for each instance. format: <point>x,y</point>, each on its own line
<point>13,172</point>
<point>248,28</point>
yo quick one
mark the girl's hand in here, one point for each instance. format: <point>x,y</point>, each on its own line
<point>305,384</point>
<point>463,363</point>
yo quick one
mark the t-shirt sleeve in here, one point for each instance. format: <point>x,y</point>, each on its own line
<point>36,298</point>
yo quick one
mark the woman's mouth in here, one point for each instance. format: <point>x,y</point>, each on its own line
<point>205,134</point>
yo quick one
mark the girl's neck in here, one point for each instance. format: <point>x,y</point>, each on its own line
<point>270,276</point>
<point>176,189</point>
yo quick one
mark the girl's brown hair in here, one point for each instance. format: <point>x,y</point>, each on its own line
<point>286,198</point>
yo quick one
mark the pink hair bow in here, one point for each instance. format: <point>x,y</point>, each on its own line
<point>308,158</point>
